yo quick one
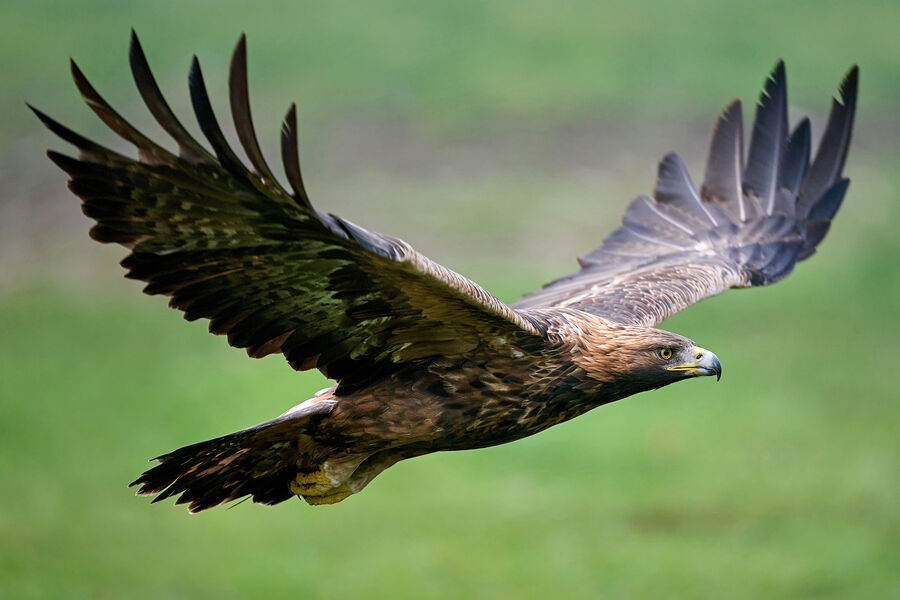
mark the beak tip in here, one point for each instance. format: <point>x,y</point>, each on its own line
<point>710,363</point>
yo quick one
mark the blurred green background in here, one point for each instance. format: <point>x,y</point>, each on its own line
<point>501,139</point>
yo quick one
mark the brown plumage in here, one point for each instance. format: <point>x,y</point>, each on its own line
<point>423,358</point>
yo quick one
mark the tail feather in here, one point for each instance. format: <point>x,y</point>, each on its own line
<point>260,462</point>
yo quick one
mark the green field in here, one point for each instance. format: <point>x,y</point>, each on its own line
<point>501,139</point>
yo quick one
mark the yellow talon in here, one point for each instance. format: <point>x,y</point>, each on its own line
<point>336,495</point>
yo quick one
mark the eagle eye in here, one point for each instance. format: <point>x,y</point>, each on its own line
<point>665,353</point>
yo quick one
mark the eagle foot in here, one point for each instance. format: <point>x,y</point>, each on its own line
<point>335,495</point>
<point>316,487</point>
<point>312,482</point>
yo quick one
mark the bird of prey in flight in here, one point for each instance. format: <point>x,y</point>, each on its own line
<point>423,358</point>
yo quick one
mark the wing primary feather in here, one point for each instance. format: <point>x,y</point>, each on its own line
<point>240,110</point>
<point>830,202</point>
<point>650,239</point>
<point>148,151</point>
<point>290,156</point>
<point>674,187</point>
<point>189,148</point>
<point>724,167</point>
<point>87,149</point>
<point>651,204</point>
<point>796,158</point>
<point>832,153</point>
<point>206,118</point>
<point>768,140</point>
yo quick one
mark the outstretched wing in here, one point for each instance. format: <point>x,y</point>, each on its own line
<point>231,245</point>
<point>748,225</point>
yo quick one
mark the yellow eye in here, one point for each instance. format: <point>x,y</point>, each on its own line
<point>665,353</point>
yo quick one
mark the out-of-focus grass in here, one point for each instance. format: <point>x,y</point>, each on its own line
<point>455,64</point>
<point>781,480</point>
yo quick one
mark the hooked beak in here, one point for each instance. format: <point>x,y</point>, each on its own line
<point>703,363</point>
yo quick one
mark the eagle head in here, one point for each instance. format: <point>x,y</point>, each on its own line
<point>635,358</point>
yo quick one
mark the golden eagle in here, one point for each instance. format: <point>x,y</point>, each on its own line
<point>425,359</point>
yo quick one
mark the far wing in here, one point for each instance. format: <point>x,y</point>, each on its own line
<point>748,225</point>
<point>231,245</point>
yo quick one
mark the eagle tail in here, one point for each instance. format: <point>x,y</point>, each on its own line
<point>261,462</point>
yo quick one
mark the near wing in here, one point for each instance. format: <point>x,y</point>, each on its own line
<point>748,224</point>
<point>273,274</point>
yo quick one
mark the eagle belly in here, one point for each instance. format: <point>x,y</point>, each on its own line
<point>335,443</point>
<point>444,405</point>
